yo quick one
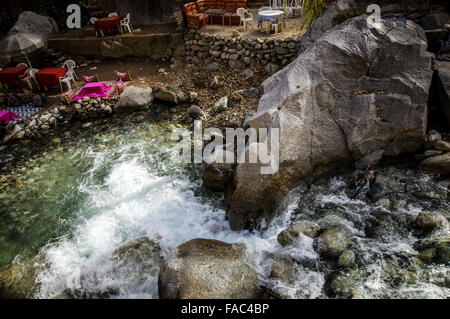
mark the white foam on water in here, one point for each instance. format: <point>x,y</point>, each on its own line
<point>132,202</point>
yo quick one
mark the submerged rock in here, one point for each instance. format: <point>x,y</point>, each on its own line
<point>307,228</point>
<point>18,281</point>
<point>346,259</point>
<point>335,241</point>
<point>282,268</point>
<point>428,221</point>
<point>207,269</point>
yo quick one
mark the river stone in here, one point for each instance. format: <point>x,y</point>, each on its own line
<point>221,105</point>
<point>330,112</point>
<point>217,175</point>
<point>428,221</point>
<point>442,146</point>
<point>346,259</point>
<point>196,112</point>
<point>135,98</point>
<point>306,227</point>
<point>427,255</point>
<point>19,280</point>
<point>167,95</point>
<point>31,22</point>
<point>440,164</point>
<point>282,268</point>
<point>347,284</point>
<point>207,269</point>
<point>335,240</point>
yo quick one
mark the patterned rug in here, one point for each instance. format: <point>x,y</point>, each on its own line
<point>24,111</point>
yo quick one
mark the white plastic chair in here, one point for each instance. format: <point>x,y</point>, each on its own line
<point>92,20</point>
<point>30,78</point>
<point>241,13</point>
<point>113,14</point>
<point>264,9</point>
<point>67,79</point>
<point>126,23</point>
<point>22,65</point>
<point>70,65</point>
<point>289,12</point>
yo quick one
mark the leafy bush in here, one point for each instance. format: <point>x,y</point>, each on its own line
<point>347,14</point>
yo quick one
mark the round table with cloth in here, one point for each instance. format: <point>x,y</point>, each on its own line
<point>11,75</point>
<point>108,24</point>
<point>266,15</point>
<point>50,76</point>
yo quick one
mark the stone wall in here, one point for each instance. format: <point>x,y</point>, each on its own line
<point>238,52</point>
<point>42,122</point>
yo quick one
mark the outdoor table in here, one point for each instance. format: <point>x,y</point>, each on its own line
<point>92,89</point>
<point>268,15</point>
<point>11,75</point>
<point>215,13</point>
<point>7,116</point>
<point>50,76</point>
<point>108,24</point>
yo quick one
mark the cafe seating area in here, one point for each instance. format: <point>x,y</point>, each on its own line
<point>203,12</point>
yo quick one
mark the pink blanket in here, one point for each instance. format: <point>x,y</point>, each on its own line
<point>7,116</point>
<point>93,89</point>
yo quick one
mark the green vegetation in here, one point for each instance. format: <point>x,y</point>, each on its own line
<point>347,14</point>
<point>170,88</point>
<point>313,9</point>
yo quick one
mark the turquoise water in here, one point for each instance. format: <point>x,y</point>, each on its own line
<point>67,207</point>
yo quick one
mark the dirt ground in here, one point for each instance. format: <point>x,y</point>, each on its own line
<point>187,78</point>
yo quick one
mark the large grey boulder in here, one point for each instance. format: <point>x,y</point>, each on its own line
<point>362,87</point>
<point>134,98</point>
<point>31,22</point>
<point>207,269</point>
<point>323,23</point>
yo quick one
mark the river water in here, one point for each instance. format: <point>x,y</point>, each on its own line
<point>67,207</point>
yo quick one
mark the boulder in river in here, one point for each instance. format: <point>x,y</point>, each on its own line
<point>335,240</point>
<point>306,227</point>
<point>207,269</point>
<point>428,221</point>
<point>360,88</point>
<point>440,164</point>
<point>135,98</point>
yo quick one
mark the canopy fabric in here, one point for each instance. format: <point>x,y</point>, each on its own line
<point>21,43</point>
<point>93,89</point>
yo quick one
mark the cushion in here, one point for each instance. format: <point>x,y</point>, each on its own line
<point>90,78</point>
<point>123,76</point>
